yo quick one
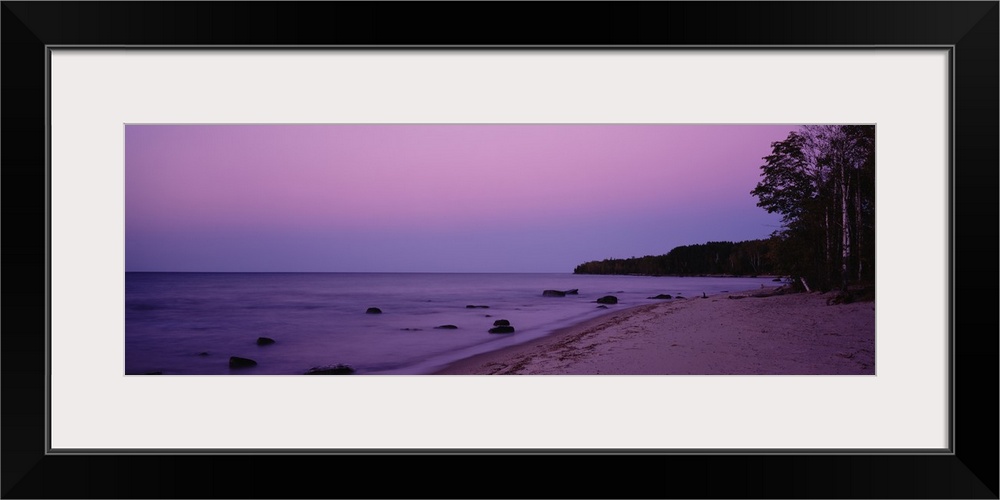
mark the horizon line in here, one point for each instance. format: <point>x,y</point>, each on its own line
<point>361,272</point>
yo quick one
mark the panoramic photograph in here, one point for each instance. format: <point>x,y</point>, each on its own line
<point>480,249</point>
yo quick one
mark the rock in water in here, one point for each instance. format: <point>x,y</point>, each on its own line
<point>553,293</point>
<point>476,307</point>
<point>446,327</point>
<point>602,307</point>
<point>238,362</point>
<point>373,310</point>
<point>661,296</point>
<point>501,322</point>
<point>340,369</point>
<point>608,299</point>
<point>264,341</point>
<point>575,291</point>
<point>502,329</point>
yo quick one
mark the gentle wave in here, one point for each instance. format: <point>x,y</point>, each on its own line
<point>191,323</point>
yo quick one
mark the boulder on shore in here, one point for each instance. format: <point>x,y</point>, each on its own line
<point>501,322</point>
<point>238,362</point>
<point>264,341</point>
<point>608,299</point>
<point>373,310</point>
<point>502,329</point>
<point>340,369</point>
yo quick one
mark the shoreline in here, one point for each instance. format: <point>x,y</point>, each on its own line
<point>759,331</point>
<point>766,276</point>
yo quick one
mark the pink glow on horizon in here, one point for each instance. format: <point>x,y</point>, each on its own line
<point>311,181</point>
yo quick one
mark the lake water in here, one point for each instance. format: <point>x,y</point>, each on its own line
<point>191,323</point>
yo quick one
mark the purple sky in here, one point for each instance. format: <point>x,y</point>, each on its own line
<point>434,198</point>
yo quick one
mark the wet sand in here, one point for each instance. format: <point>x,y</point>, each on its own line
<point>728,334</point>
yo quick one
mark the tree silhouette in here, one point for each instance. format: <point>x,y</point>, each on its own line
<point>821,180</point>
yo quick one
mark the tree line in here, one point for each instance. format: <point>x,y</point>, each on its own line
<point>744,258</point>
<point>821,179</point>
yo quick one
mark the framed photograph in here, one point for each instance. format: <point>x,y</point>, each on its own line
<point>239,195</point>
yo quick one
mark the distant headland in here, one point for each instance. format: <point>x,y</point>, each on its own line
<point>715,258</point>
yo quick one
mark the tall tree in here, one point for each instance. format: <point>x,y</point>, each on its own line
<point>821,179</point>
<point>793,185</point>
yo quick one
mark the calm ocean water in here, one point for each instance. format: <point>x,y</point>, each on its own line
<point>191,323</point>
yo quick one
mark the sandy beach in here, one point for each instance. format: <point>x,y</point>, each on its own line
<point>747,333</point>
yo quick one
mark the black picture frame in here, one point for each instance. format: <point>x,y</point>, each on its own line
<point>969,28</point>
